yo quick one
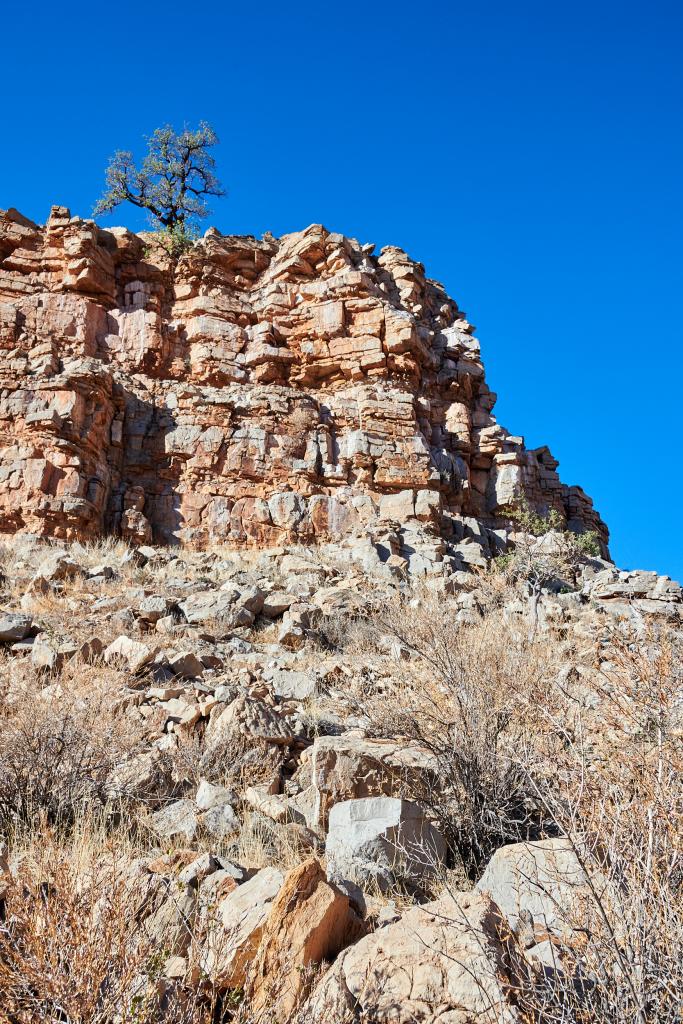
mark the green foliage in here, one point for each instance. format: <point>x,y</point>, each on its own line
<point>539,564</point>
<point>176,240</point>
<point>530,521</point>
<point>587,543</point>
<point>172,183</point>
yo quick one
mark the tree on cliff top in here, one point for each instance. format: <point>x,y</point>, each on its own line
<point>175,177</point>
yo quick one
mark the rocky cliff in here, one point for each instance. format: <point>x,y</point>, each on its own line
<point>268,391</point>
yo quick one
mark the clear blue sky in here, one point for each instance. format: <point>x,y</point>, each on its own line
<point>529,154</point>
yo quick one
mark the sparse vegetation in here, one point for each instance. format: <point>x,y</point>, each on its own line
<point>572,730</point>
<point>173,183</point>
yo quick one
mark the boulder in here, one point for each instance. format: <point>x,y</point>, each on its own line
<point>310,921</point>
<point>382,840</point>
<point>234,931</point>
<point>187,665</point>
<point>350,767</point>
<point>14,627</point>
<point>178,819</point>
<point>219,605</point>
<point>453,961</point>
<point>250,717</point>
<point>134,654</point>
<point>290,684</point>
<point>543,884</point>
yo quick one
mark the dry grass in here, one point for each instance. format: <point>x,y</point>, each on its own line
<point>61,743</point>
<point>74,945</point>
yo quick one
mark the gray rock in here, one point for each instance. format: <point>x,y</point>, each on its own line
<point>208,796</point>
<point>542,882</point>
<point>382,839</point>
<point>153,608</point>
<point>290,684</point>
<point>277,603</point>
<point>14,627</point>
<point>220,822</point>
<point>216,604</point>
<point>177,819</point>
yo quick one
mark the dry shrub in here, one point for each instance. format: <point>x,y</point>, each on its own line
<point>621,804</point>
<point>60,746</point>
<point>73,946</point>
<point>471,696</point>
<point>234,761</point>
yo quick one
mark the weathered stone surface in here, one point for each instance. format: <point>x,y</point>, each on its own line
<point>291,684</point>
<point>256,397</point>
<point>253,718</point>
<point>382,840</point>
<point>235,932</point>
<point>133,653</point>
<point>351,767</point>
<point>542,882</point>
<point>14,627</point>
<point>310,920</point>
<point>453,961</point>
<point>178,819</point>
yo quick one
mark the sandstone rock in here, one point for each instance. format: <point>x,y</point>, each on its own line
<point>209,605</point>
<point>310,921</point>
<point>351,767</point>
<point>153,608</point>
<point>544,883</point>
<point>177,819</point>
<point>449,962</point>
<point>291,684</point>
<point>235,932</point>
<point>187,665</point>
<point>282,391</point>
<point>220,822</point>
<point>250,717</point>
<point>134,654</point>
<point>382,840</point>
<point>209,795</point>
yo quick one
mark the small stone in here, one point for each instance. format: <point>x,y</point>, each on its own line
<point>14,627</point>
<point>187,665</point>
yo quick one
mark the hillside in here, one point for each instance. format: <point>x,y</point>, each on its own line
<point>321,699</point>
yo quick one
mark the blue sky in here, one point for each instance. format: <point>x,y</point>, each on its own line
<point>529,154</point>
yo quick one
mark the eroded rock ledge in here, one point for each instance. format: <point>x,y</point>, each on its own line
<point>270,391</point>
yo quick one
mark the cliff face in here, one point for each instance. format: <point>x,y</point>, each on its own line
<point>284,390</point>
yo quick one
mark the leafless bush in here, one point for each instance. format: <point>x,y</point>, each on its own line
<point>59,749</point>
<point>73,947</point>
<point>621,804</point>
<point>616,795</point>
<point>235,761</point>
<point>468,694</point>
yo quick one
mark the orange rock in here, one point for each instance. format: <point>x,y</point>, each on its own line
<point>310,921</point>
<point>253,394</point>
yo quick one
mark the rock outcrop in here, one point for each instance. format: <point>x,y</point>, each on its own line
<point>267,391</point>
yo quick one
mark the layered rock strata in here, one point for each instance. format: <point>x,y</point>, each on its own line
<point>267,391</point>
